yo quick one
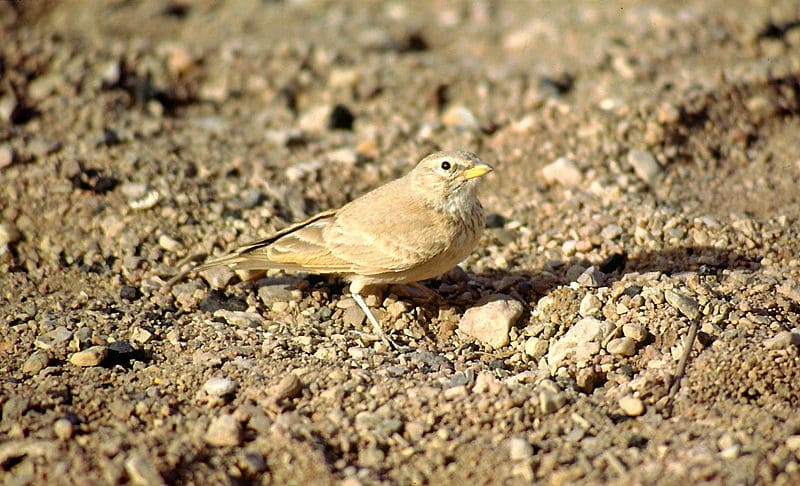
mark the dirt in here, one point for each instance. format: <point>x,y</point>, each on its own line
<point>646,164</point>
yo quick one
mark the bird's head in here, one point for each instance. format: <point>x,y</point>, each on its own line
<point>449,175</point>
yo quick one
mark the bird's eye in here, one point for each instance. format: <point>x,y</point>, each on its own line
<point>446,165</point>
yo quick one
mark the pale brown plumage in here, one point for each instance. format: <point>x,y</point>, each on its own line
<point>413,228</point>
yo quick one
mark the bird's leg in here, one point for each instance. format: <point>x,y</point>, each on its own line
<point>376,326</point>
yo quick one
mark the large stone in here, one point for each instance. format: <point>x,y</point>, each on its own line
<point>491,322</point>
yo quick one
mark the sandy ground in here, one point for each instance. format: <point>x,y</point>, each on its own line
<point>646,164</point>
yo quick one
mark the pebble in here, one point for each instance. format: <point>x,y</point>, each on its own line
<point>63,429</point>
<point>790,290</point>
<point>6,155</point>
<point>8,105</point>
<point>590,305</point>
<point>133,190</point>
<point>219,387</point>
<point>585,331</point>
<point>550,401</point>
<point>591,278</point>
<point>218,277</point>
<point>645,166</point>
<point>623,346</point>
<point>147,201</point>
<point>36,362</point>
<point>459,116</point>
<point>353,316</point>
<point>141,335</point>
<point>168,243</point>
<point>224,431</point>
<point>564,171</point>
<point>289,387</point>
<point>611,231</point>
<point>142,470</point>
<point>631,406</point>
<point>51,339</point>
<point>635,331</point>
<point>241,319</point>
<point>668,113</point>
<point>686,305</point>
<point>519,449</point>
<point>793,442</point>
<point>490,323</point>
<point>89,357</point>
<point>535,347</point>
<point>270,294</point>
<point>45,85</point>
<point>782,340</point>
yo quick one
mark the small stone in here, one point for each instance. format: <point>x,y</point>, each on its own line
<point>668,113</point>
<point>645,166</point>
<point>147,201</point>
<point>611,231</point>
<point>35,363</point>
<point>45,85</point>
<point>14,408</point>
<point>587,379</point>
<point>141,335</point>
<point>635,331</point>
<point>253,462</point>
<point>793,442</point>
<point>584,332</point>
<point>142,470</point>
<point>564,171</point>
<point>782,340</point>
<point>289,387</point>
<point>63,429</point>
<point>550,401</point>
<point>133,190</point>
<point>624,346</point>
<point>590,305</point>
<point>242,319</point>
<point>224,431</point>
<point>631,406</point>
<point>535,347</point>
<point>790,290</point>
<point>491,322</point>
<point>51,339</point>
<point>344,156</point>
<point>6,155</point>
<point>169,243</point>
<point>219,387</point>
<point>519,449</point>
<point>89,357</point>
<point>270,294</point>
<point>591,278</point>
<point>129,293</point>
<point>353,316</point>
<point>8,106</point>
<point>9,234</point>
<point>459,116</point>
<point>686,305</point>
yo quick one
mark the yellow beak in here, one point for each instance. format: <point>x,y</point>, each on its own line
<point>477,171</point>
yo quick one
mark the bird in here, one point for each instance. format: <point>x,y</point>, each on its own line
<point>413,228</point>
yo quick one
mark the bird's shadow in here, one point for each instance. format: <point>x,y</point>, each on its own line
<point>461,290</point>
<point>530,285</point>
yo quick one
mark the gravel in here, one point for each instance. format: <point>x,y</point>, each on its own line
<point>640,186</point>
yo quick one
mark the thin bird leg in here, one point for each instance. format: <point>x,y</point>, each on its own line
<point>375,324</point>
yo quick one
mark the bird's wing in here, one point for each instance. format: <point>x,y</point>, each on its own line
<point>386,230</point>
<point>298,247</point>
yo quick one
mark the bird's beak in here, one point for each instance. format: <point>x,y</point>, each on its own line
<point>477,171</point>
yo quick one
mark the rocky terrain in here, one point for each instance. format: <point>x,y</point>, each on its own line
<point>646,158</point>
